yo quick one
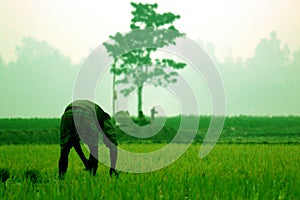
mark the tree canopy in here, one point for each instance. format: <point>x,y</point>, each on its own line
<point>132,52</point>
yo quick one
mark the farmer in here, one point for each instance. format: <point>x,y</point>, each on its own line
<point>153,112</point>
<point>84,120</point>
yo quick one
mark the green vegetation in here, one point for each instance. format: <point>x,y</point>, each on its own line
<point>132,52</point>
<point>242,129</point>
<point>29,131</point>
<point>249,84</point>
<point>237,168</point>
<point>228,172</point>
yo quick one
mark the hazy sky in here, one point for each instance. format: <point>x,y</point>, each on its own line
<point>75,27</point>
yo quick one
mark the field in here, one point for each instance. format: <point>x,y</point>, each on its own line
<point>255,160</point>
<point>240,129</point>
<point>229,172</point>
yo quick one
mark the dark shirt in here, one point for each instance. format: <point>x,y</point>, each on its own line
<point>88,114</point>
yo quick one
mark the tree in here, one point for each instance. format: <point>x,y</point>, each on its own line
<point>267,76</point>
<point>37,54</point>
<point>296,59</point>
<point>1,62</point>
<point>133,51</point>
<point>294,78</point>
<point>3,71</point>
<point>270,54</point>
<point>268,66</point>
<point>38,83</point>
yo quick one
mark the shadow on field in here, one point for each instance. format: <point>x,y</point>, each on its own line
<point>4,175</point>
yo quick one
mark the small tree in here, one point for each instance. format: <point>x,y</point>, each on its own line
<point>132,51</point>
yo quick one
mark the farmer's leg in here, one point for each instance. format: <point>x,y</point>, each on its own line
<point>80,153</point>
<point>63,160</point>
<point>66,141</point>
<point>113,157</point>
<point>93,160</point>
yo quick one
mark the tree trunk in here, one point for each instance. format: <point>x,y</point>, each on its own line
<point>140,101</point>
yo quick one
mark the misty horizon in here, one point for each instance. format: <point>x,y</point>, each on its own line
<point>40,82</point>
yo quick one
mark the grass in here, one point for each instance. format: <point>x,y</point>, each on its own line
<point>241,129</point>
<point>228,172</point>
<point>255,158</point>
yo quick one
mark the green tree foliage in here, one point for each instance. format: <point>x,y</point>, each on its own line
<point>1,63</point>
<point>267,75</point>
<point>33,54</point>
<point>40,79</point>
<point>132,51</point>
<point>270,56</point>
<point>296,59</point>
<point>264,83</point>
<point>2,69</point>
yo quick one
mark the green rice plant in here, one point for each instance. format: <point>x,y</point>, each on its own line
<point>32,175</point>
<point>243,171</point>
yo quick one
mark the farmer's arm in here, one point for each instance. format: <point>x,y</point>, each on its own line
<point>80,153</point>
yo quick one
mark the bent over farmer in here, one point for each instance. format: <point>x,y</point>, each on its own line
<point>84,121</point>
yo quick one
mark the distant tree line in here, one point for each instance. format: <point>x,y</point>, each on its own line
<point>264,84</point>
<point>41,78</point>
